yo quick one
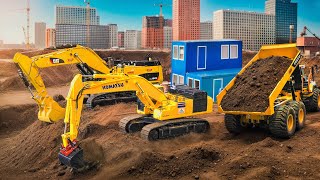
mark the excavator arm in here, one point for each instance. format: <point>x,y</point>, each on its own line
<point>86,59</point>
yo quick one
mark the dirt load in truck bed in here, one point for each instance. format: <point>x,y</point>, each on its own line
<point>252,89</point>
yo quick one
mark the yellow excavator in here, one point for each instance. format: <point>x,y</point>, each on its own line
<point>88,63</point>
<point>162,115</point>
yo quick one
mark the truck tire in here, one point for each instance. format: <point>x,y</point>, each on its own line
<point>300,113</point>
<point>233,124</point>
<point>283,122</point>
<point>313,103</point>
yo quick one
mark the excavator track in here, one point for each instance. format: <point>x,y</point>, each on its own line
<point>110,98</point>
<point>134,123</point>
<point>174,128</point>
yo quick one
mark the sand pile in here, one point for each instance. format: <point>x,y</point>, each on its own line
<point>252,88</point>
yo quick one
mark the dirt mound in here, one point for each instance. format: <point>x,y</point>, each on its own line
<point>14,118</point>
<point>187,161</point>
<point>252,89</point>
<point>163,56</point>
<point>247,56</point>
<point>9,53</point>
<point>54,76</point>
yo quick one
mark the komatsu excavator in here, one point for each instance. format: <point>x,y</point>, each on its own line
<point>88,63</point>
<point>162,115</point>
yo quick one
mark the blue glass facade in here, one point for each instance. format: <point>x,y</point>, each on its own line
<point>286,13</point>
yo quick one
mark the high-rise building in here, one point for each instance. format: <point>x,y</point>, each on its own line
<point>152,32</point>
<point>50,37</point>
<point>254,29</point>
<point>76,15</point>
<point>71,28</point>
<point>120,39</point>
<point>40,35</point>
<point>168,22</point>
<point>206,30</point>
<point>286,13</point>
<point>132,39</point>
<point>167,40</point>
<point>112,35</point>
<point>76,34</point>
<point>1,43</point>
<point>186,20</point>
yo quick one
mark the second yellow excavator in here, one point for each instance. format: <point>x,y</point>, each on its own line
<point>88,63</point>
<point>162,115</point>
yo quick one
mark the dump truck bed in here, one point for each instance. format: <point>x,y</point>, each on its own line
<point>285,50</point>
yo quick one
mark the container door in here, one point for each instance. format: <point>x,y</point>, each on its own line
<point>217,88</point>
<point>202,57</point>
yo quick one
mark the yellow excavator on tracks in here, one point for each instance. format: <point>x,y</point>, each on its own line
<point>88,63</point>
<point>294,94</point>
<point>161,115</point>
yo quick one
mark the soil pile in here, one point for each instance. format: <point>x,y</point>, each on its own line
<point>14,118</point>
<point>9,53</point>
<point>247,56</point>
<point>54,76</point>
<point>182,163</point>
<point>252,88</point>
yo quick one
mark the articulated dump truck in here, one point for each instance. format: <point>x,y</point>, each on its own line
<point>272,91</point>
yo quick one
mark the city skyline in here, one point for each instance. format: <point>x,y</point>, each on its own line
<point>129,15</point>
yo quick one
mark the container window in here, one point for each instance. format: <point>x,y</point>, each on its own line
<point>224,51</point>
<point>181,80</point>
<point>181,52</point>
<point>190,82</point>
<point>197,84</point>
<point>175,52</point>
<point>175,79</point>
<point>233,51</point>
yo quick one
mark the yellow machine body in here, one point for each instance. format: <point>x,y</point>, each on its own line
<point>288,50</point>
<point>161,106</point>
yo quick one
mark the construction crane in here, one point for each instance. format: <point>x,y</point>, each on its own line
<point>28,25</point>
<point>304,32</point>
<point>88,22</point>
<point>161,5</point>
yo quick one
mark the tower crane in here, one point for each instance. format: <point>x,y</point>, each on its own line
<point>88,19</point>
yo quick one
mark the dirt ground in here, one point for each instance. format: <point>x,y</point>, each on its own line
<point>29,148</point>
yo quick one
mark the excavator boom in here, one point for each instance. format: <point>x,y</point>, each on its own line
<point>50,110</point>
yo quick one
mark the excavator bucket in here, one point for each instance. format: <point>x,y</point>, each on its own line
<point>72,156</point>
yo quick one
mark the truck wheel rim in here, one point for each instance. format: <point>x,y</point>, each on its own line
<point>301,116</point>
<point>290,122</point>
